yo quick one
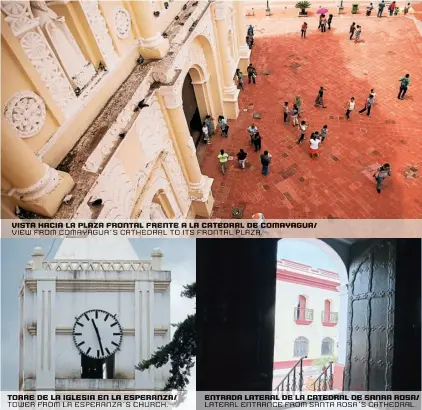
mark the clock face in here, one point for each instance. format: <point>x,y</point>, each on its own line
<point>97,334</point>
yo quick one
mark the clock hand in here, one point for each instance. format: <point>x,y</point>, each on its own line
<point>98,336</point>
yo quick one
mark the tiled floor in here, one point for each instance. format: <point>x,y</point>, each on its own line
<point>339,184</point>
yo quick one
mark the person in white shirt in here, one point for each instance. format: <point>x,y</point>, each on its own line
<point>252,130</point>
<point>302,130</point>
<point>350,106</point>
<point>374,95</point>
<point>314,145</point>
<point>206,134</point>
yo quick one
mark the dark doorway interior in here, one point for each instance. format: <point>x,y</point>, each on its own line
<point>97,368</point>
<point>236,281</point>
<point>190,107</point>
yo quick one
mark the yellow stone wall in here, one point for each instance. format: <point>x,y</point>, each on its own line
<point>204,55</point>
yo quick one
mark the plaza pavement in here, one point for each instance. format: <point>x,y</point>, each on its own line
<point>339,184</point>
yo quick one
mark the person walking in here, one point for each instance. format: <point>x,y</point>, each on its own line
<point>295,113</point>
<point>249,41</point>
<point>406,9</point>
<point>320,19</point>
<point>330,19</point>
<point>380,174</point>
<point>368,105</point>
<point>298,102</point>
<point>396,10</point>
<point>239,76</point>
<point>369,9</point>
<point>205,132</point>
<point>286,112</point>
<point>250,30</point>
<point>381,6</point>
<point>252,130</point>
<point>265,162</point>
<point>302,131</point>
<point>222,122</point>
<point>391,8</point>
<point>210,124</point>
<point>319,101</point>
<point>350,106</point>
<point>314,145</point>
<point>358,33</point>
<point>251,74</point>
<point>241,158</point>
<point>352,30</point>
<point>223,157</point>
<point>324,133</point>
<point>323,23</point>
<point>257,141</point>
<point>303,30</point>
<point>404,83</point>
<point>374,95</point>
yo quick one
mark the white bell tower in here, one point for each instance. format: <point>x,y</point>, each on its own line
<point>91,275</point>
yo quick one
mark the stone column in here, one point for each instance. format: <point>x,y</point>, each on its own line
<point>144,332</point>
<point>231,93</point>
<point>152,44</point>
<point>199,185</point>
<point>37,187</point>
<point>45,376</point>
<point>244,52</point>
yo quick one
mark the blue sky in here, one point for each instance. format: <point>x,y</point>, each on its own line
<point>306,253</point>
<point>179,257</point>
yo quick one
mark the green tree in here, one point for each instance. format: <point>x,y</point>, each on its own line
<point>180,351</point>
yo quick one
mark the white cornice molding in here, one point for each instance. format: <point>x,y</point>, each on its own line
<point>67,331</point>
<point>97,285</point>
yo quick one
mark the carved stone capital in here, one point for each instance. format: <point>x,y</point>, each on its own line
<point>44,186</point>
<point>201,191</point>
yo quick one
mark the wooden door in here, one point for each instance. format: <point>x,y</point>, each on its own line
<point>370,341</point>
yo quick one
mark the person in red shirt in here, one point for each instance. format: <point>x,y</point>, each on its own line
<point>392,7</point>
<point>304,28</point>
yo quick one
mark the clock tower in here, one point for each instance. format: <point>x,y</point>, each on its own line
<point>90,314</point>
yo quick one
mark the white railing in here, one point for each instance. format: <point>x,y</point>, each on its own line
<point>96,266</point>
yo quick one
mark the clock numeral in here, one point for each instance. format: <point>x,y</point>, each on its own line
<point>87,352</point>
<point>114,324</point>
<point>77,334</point>
<point>108,351</point>
<point>87,318</point>
<point>117,334</point>
<point>79,324</point>
<point>96,314</point>
<point>107,315</point>
<point>80,344</point>
<point>115,344</point>
<point>98,353</point>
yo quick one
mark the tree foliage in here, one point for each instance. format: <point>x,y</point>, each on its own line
<point>180,351</point>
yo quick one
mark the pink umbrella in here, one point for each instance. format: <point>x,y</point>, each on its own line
<point>322,11</point>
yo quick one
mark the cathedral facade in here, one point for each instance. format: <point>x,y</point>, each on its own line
<point>100,101</point>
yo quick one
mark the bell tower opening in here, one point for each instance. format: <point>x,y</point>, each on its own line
<point>97,368</point>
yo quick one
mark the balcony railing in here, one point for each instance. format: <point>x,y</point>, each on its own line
<point>303,314</point>
<point>331,316</point>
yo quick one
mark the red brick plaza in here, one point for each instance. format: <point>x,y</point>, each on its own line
<point>340,183</point>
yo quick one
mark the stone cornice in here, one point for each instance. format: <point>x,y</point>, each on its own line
<point>63,331</point>
<point>97,285</point>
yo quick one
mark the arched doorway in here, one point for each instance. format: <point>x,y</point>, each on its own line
<point>236,297</point>
<point>191,109</point>
<point>311,277</point>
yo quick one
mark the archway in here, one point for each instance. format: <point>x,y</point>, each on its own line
<point>190,106</point>
<point>311,304</point>
<point>236,298</point>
